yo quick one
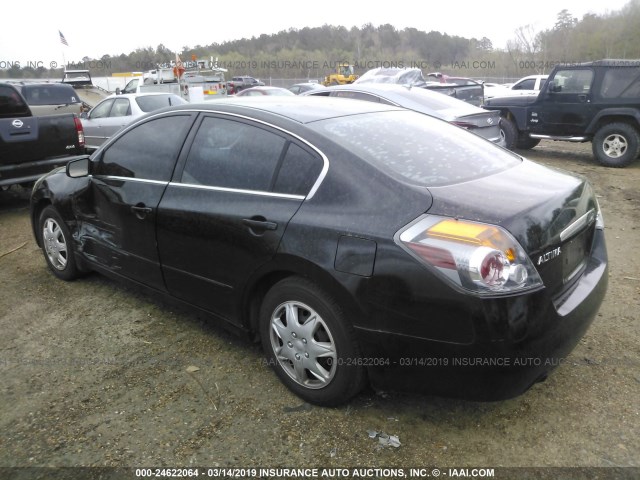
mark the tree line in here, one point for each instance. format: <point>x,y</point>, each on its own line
<point>314,52</point>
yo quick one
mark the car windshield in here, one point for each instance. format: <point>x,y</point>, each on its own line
<point>154,102</point>
<point>419,150</point>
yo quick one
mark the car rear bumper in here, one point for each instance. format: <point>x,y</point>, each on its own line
<point>539,332</point>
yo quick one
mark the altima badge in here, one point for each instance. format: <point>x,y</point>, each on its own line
<point>545,257</point>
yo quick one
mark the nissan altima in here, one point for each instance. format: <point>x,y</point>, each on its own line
<point>358,242</point>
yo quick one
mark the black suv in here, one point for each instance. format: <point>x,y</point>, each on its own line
<point>596,101</point>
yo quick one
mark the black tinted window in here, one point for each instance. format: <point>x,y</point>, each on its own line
<point>148,151</point>
<point>298,172</point>
<point>11,103</point>
<point>525,85</point>
<point>422,151</point>
<point>621,82</point>
<point>230,154</point>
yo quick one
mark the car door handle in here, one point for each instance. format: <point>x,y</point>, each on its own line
<point>140,210</point>
<point>582,97</point>
<point>259,223</point>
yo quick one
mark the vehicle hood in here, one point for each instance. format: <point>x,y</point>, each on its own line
<point>533,202</point>
<point>517,100</point>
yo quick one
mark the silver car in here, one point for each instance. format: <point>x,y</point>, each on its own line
<point>482,122</point>
<point>117,111</point>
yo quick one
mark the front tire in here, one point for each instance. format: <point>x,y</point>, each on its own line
<point>309,343</point>
<point>55,239</point>
<point>616,145</point>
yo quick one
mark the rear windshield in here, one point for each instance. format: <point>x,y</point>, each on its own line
<point>417,149</point>
<point>154,102</point>
<point>12,104</point>
<point>49,94</point>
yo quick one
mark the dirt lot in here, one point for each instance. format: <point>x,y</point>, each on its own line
<point>94,374</point>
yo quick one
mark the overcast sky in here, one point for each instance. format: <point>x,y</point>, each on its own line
<point>94,29</point>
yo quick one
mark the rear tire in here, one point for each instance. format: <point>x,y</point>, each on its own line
<point>309,343</point>
<point>509,132</point>
<point>616,145</point>
<point>57,245</point>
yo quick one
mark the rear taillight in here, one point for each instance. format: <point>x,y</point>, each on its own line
<point>80,131</point>
<point>480,258</point>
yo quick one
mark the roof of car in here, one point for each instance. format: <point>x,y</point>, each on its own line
<point>296,108</point>
<point>138,95</point>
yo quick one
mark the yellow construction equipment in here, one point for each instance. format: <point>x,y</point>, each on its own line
<point>343,75</point>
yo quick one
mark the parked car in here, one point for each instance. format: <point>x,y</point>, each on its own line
<point>299,88</point>
<point>31,146</point>
<point>51,98</point>
<point>530,85</point>
<point>356,241</point>
<point>477,120</point>
<point>237,84</point>
<point>261,91</point>
<point>117,111</point>
<point>594,101</point>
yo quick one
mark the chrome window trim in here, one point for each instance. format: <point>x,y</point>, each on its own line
<point>237,190</point>
<point>130,179</point>
<point>325,160</point>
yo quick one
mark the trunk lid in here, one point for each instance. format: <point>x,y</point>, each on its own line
<point>551,213</point>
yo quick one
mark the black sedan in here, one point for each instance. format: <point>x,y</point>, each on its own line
<point>429,259</point>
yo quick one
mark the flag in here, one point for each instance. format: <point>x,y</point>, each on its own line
<point>62,39</point>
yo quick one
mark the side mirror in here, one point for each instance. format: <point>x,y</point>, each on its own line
<point>118,91</point>
<point>553,88</point>
<point>78,168</point>
<point>84,115</point>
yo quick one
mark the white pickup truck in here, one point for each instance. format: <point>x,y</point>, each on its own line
<point>530,85</point>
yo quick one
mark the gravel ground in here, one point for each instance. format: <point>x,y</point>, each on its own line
<point>94,374</point>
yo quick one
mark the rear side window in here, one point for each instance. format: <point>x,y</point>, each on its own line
<point>298,171</point>
<point>154,102</point>
<point>231,154</point>
<point>148,151</point>
<point>12,104</point>
<point>357,95</point>
<point>49,94</point>
<point>415,148</point>
<point>621,83</point>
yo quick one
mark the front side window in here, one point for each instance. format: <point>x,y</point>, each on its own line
<point>102,110</point>
<point>573,81</point>
<point>525,85</point>
<point>148,151</point>
<point>232,154</point>
<point>120,108</point>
